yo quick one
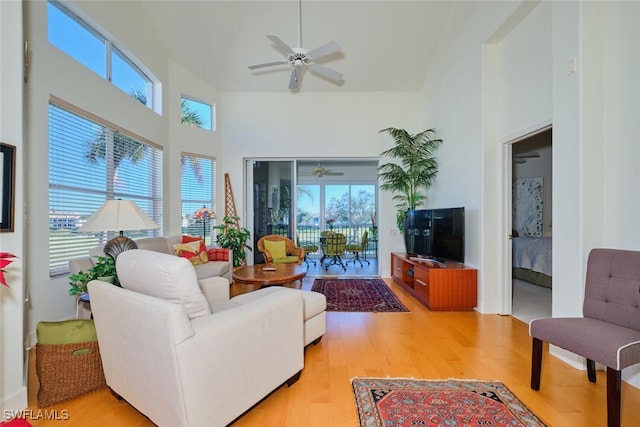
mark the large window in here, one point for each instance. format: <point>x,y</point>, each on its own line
<point>91,161</point>
<point>87,45</point>
<point>198,188</point>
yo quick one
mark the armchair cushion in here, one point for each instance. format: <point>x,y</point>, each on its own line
<point>288,259</point>
<point>277,248</point>
<point>172,278</point>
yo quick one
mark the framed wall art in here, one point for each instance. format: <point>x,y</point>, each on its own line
<point>7,188</point>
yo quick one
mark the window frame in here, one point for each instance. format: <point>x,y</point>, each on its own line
<point>212,115</point>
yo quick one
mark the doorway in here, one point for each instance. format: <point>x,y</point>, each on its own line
<point>531,206</point>
<point>301,198</point>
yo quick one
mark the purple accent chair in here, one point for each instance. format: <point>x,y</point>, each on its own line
<point>609,332</point>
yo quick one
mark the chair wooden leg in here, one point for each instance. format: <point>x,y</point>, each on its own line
<point>591,371</point>
<point>291,381</point>
<point>536,363</point>
<point>613,397</point>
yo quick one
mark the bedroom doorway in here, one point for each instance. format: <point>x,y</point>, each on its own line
<point>531,222</point>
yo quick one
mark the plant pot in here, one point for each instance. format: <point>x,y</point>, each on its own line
<point>409,233</point>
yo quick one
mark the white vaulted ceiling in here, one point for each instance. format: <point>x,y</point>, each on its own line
<point>386,45</point>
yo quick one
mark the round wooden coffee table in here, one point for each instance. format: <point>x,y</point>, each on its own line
<point>255,275</point>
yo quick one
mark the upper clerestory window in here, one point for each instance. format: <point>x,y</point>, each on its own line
<point>196,113</point>
<point>87,45</point>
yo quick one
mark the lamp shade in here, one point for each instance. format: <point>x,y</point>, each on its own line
<point>119,215</point>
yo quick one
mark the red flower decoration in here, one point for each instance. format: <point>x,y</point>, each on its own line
<point>6,258</point>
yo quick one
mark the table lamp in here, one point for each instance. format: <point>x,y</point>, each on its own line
<point>118,215</point>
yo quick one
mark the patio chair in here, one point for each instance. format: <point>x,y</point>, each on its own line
<point>309,248</point>
<point>336,245</point>
<point>357,249</point>
<point>279,249</point>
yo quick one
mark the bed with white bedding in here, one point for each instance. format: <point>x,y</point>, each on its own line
<point>532,259</point>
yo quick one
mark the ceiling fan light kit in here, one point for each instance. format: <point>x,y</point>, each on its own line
<point>298,58</point>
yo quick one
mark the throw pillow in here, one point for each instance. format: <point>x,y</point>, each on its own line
<point>277,248</point>
<point>218,254</point>
<point>162,276</point>
<point>189,239</point>
<point>191,252</point>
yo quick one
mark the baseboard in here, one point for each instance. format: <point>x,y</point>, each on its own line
<point>14,403</point>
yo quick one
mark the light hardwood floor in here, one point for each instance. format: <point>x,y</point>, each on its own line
<point>419,344</point>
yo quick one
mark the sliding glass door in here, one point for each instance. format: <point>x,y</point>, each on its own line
<point>272,201</point>
<point>295,198</point>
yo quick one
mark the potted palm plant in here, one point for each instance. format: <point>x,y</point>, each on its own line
<point>415,172</point>
<point>230,235</point>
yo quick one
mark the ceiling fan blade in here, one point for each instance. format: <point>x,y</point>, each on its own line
<point>327,72</point>
<point>267,64</point>
<point>334,173</point>
<point>293,81</point>
<point>324,50</point>
<point>282,45</point>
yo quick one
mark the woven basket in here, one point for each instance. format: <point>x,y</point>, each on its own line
<point>66,371</point>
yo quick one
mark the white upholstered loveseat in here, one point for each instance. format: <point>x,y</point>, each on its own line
<point>164,245</point>
<point>183,353</point>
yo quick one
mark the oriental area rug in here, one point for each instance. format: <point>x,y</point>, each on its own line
<point>405,402</point>
<point>358,295</point>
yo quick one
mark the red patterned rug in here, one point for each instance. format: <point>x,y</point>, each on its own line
<point>358,295</point>
<point>404,402</point>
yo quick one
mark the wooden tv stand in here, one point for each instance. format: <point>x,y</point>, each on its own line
<point>440,286</point>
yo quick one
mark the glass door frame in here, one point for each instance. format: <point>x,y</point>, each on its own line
<point>249,194</point>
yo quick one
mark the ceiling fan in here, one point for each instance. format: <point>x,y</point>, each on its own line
<point>299,58</point>
<point>321,171</point>
<point>522,158</point>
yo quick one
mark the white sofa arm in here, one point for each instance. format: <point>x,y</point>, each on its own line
<point>251,348</point>
<point>216,290</point>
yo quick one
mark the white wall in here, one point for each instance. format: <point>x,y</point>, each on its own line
<point>595,133</point>
<point>468,164</point>
<point>612,131</point>
<point>13,391</point>
<point>305,124</point>
<point>525,73</point>
<point>621,150</point>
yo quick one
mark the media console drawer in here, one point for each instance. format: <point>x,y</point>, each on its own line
<point>452,286</point>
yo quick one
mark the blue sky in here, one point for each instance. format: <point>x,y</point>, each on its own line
<point>89,49</point>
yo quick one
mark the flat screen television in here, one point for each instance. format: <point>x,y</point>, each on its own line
<point>435,233</point>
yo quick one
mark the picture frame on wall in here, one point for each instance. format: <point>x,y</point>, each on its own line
<point>7,188</point>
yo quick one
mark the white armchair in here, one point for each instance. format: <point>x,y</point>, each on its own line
<point>182,352</point>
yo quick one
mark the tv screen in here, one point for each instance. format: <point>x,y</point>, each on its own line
<point>417,232</point>
<point>448,234</point>
<point>435,233</point>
